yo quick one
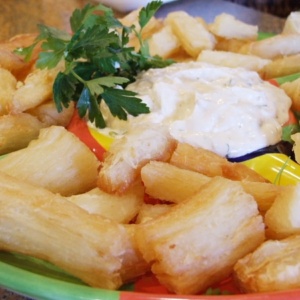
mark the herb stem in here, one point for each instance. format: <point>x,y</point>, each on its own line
<point>78,77</point>
<point>97,61</point>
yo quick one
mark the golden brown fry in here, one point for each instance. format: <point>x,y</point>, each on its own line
<point>17,131</point>
<point>292,89</point>
<point>282,66</point>
<point>264,193</point>
<point>233,60</point>
<point>182,56</point>
<point>283,219</point>
<point>274,266</point>
<point>11,61</point>
<point>211,164</point>
<point>132,19</point>
<point>151,211</point>
<point>8,84</point>
<point>133,265</point>
<point>192,34</point>
<point>197,242</point>
<point>196,159</point>
<point>292,23</point>
<point>47,113</point>
<point>167,182</point>
<point>164,43</point>
<point>19,41</point>
<point>37,89</point>
<point>230,45</point>
<point>36,222</point>
<point>277,46</point>
<point>57,160</point>
<point>227,26</point>
<point>121,166</point>
<point>121,209</point>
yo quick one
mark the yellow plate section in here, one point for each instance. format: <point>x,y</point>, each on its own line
<point>104,140</point>
<point>276,167</point>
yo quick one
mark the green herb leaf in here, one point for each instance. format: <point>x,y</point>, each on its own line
<point>98,63</point>
<point>26,51</point>
<point>121,102</point>
<point>63,90</point>
<point>289,130</point>
<point>84,16</point>
<point>146,13</point>
<point>109,81</point>
<point>216,291</point>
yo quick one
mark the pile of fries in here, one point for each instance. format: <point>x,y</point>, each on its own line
<point>210,219</point>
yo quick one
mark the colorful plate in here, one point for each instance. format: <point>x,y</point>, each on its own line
<point>40,280</point>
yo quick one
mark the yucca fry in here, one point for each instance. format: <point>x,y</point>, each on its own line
<point>195,159</point>
<point>264,193</point>
<point>192,34</point>
<point>233,60</point>
<point>17,131</point>
<point>282,219</point>
<point>273,266</point>
<point>164,43</point>
<point>126,156</point>
<point>211,164</point>
<point>47,113</point>
<point>8,84</point>
<point>276,46</point>
<point>132,19</point>
<point>170,183</point>
<point>38,223</point>
<point>229,45</point>
<point>281,66</point>
<point>182,56</point>
<point>227,26</point>
<point>292,89</point>
<point>13,62</point>
<point>151,211</point>
<point>56,160</point>
<point>120,208</point>
<point>36,89</point>
<point>198,241</point>
<point>167,182</point>
<point>292,23</point>
<point>133,264</point>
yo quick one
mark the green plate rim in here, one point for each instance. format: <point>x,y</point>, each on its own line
<point>45,288</point>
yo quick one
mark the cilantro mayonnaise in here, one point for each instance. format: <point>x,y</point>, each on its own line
<point>229,111</point>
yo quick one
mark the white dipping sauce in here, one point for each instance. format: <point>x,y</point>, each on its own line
<point>231,112</point>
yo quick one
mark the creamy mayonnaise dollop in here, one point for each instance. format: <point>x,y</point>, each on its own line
<point>231,112</point>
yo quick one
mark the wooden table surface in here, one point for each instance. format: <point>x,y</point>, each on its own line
<point>22,16</point>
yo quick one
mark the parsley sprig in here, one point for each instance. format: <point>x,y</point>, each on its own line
<point>99,64</point>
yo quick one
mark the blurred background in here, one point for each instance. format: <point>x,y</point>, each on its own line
<point>280,8</point>
<point>21,16</point>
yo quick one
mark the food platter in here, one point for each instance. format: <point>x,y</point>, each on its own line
<point>39,279</point>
